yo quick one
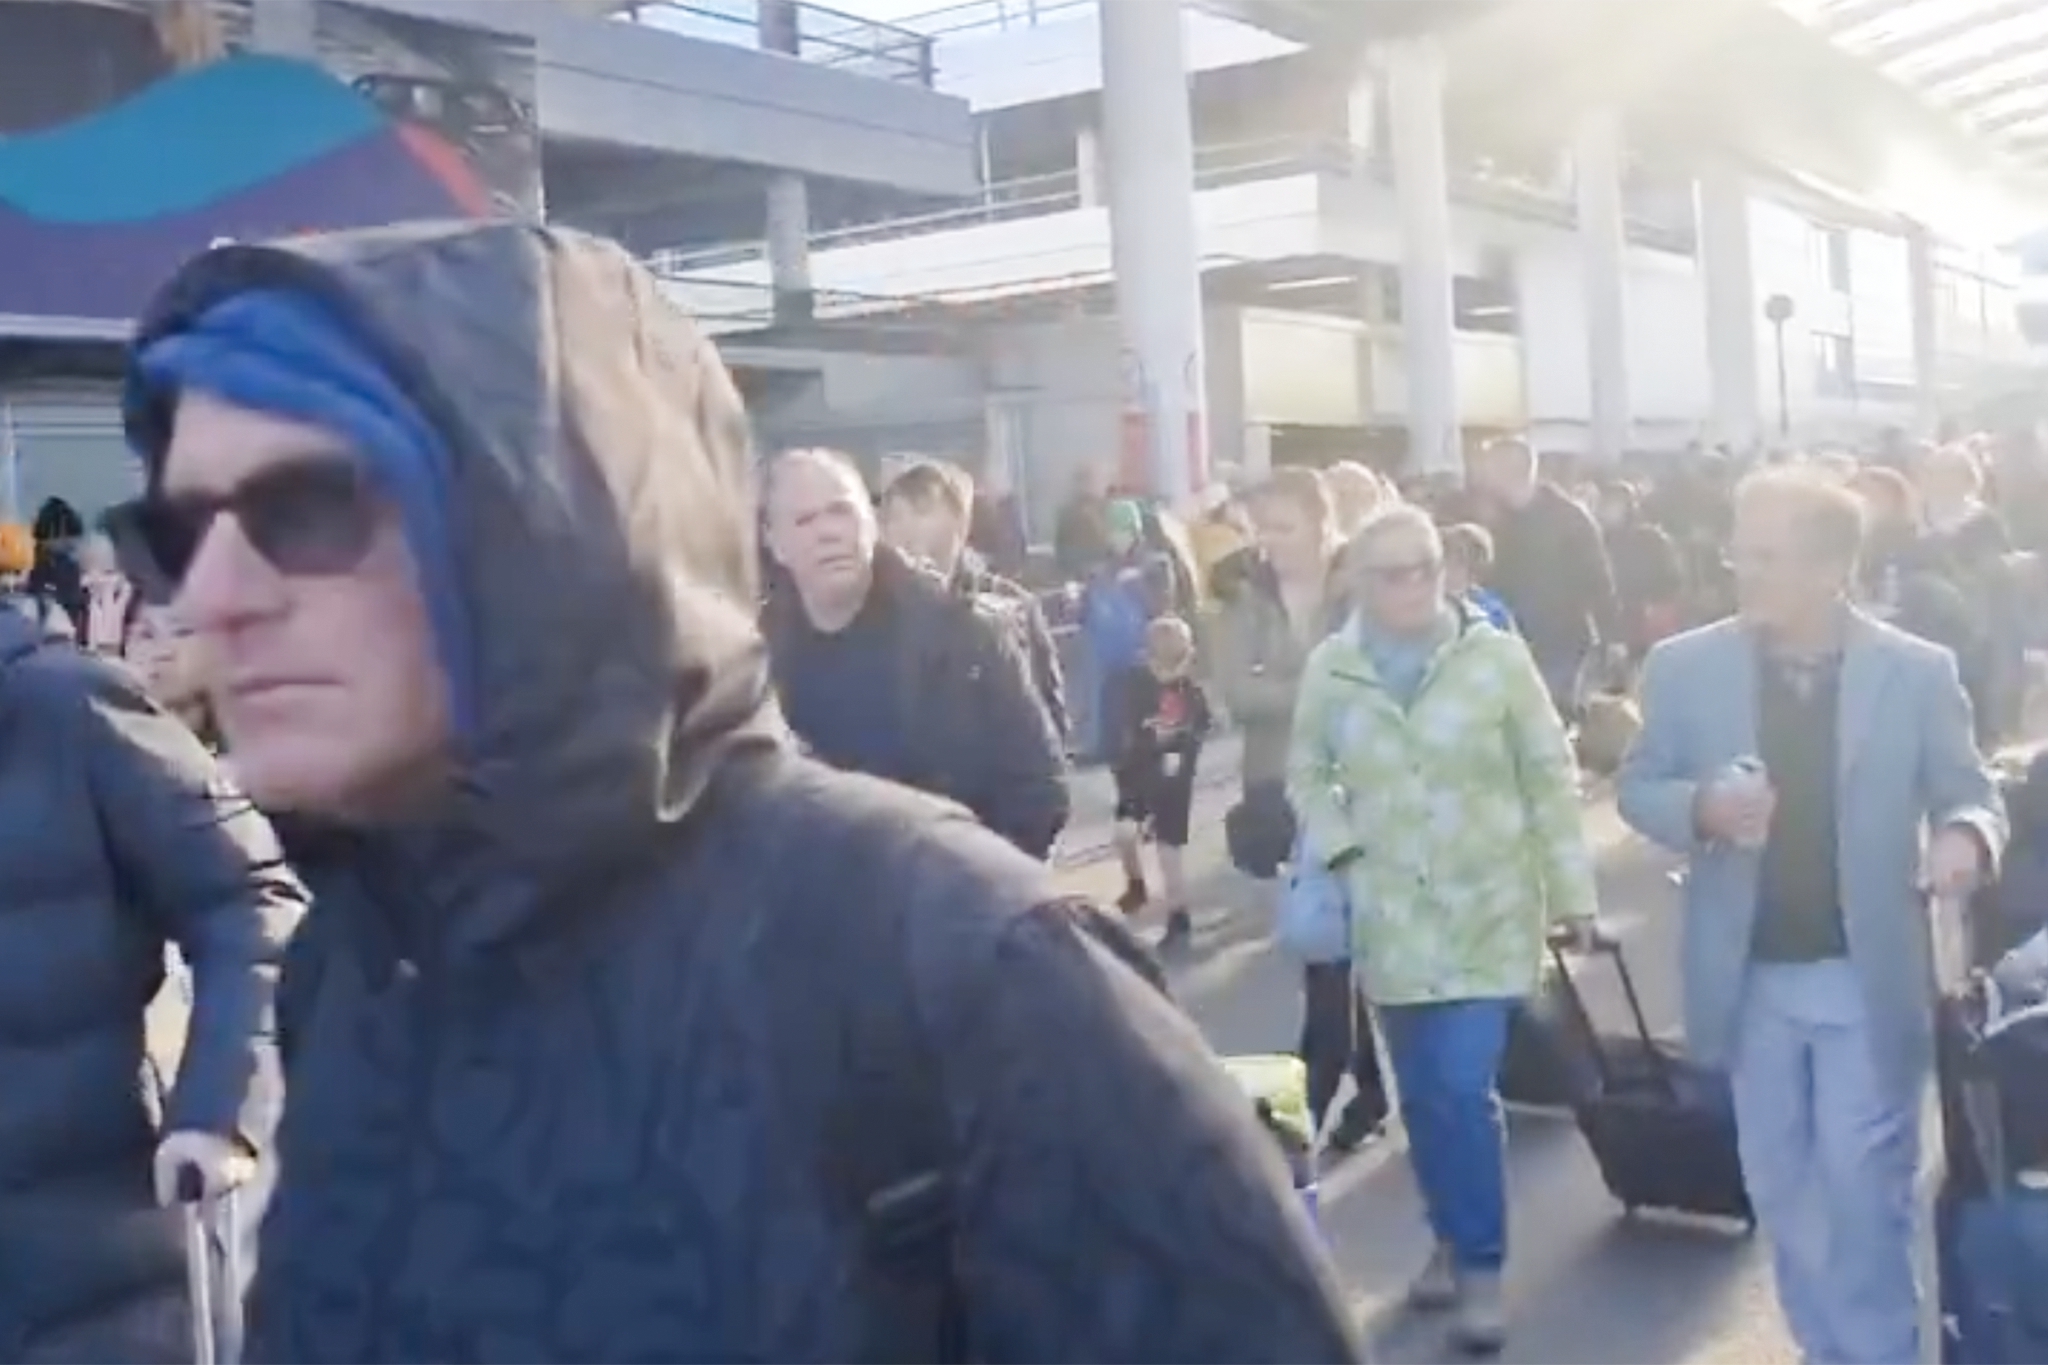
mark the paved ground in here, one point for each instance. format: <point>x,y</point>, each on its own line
<point>1584,1286</point>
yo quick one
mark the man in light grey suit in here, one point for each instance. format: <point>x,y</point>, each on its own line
<point>1818,769</point>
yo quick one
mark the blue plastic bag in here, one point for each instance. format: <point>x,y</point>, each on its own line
<point>1313,923</point>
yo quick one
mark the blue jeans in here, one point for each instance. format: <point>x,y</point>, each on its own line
<point>1446,1061</point>
<point>1831,1156</point>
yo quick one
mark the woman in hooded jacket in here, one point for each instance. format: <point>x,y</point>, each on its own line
<point>1260,643</point>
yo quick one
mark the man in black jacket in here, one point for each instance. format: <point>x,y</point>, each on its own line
<point>927,510</point>
<point>1549,566</point>
<point>883,671</point>
<point>619,1030</point>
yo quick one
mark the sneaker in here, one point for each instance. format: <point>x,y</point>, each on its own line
<point>1134,898</point>
<point>1481,1325</point>
<point>1436,1288</point>
<point>1355,1128</point>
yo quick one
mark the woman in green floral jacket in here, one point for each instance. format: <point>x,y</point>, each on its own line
<point>1432,774</point>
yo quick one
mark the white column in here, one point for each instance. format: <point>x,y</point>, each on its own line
<point>1603,265</point>
<point>1362,115</point>
<point>283,28</point>
<point>1920,274</point>
<point>1734,311</point>
<point>1153,250</point>
<point>1415,117</point>
<point>1088,165</point>
<point>789,246</point>
<point>778,26</point>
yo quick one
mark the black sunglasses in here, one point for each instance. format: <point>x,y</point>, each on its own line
<point>307,518</point>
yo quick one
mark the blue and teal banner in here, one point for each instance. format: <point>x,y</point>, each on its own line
<point>96,213</point>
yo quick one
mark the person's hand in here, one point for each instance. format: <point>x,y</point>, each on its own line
<point>1584,936</point>
<point>1736,811</point>
<point>223,1164</point>
<point>1953,866</point>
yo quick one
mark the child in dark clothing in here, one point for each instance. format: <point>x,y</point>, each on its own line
<point>1158,742</point>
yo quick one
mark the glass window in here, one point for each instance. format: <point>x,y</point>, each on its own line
<point>71,448</point>
<point>1834,365</point>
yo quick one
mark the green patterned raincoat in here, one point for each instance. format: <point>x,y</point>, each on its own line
<point>1455,820</point>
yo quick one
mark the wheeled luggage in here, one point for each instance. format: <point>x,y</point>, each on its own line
<point>1991,1216</point>
<point>1661,1126</point>
<point>1546,1063</point>
<point>1277,1086</point>
<point>213,1274</point>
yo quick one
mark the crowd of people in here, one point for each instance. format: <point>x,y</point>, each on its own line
<point>613,870</point>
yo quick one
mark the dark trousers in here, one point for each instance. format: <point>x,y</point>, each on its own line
<point>1336,1037</point>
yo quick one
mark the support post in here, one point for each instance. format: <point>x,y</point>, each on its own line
<point>1153,249</point>
<point>1415,114</point>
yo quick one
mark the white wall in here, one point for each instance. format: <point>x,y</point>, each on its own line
<point>1268,220</point>
<point>1876,312</point>
<point>1062,56</point>
<point>1666,330</point>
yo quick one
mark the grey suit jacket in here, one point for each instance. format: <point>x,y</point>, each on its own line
<point>1908,762</point>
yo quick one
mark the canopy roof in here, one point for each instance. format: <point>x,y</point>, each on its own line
<point>1984,61</point>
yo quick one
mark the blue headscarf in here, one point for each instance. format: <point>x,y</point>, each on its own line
<point>288,355</point>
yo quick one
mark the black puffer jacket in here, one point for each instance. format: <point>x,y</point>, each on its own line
<point>611,1058</point>
<point>117,836</point>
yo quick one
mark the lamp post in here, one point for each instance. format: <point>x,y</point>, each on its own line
<point>1779,310</point>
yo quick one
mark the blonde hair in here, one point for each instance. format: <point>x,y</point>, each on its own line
<point>1355,494</point>
<point>1169,643</point>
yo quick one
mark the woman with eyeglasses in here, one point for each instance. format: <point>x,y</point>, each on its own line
<point>1432,775</point>
<point>118,838</point>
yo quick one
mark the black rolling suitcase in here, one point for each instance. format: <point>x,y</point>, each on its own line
<point>1661,1126</point>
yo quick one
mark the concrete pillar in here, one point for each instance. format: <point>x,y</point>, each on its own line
<point>778,26</point>
<point>1362,116</point>
<point>1597,161</point>
<point>1088,165</point>
<point>1153,248</point>
<point>1415,116</point>
<point>1921,280</point>
<point>789,248</point>
<point>284,28</point>
<point>1733,307</point>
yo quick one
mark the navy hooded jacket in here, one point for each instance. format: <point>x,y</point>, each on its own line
<point>662,1043</point>
<point>117,836</point>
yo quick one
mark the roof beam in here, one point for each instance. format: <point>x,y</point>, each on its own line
<point>1961,71</point>
<point>2015,116</point>
<point>2019,83</point>
<point>1838,19</point>
<point>1905,45</point>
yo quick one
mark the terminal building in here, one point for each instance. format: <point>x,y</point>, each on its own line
<point>1609,276</point>
<point>136,132</point>
<point>1357,227</point>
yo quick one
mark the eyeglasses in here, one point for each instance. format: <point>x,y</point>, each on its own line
<point>1414,572</point>
<point>307,518</point>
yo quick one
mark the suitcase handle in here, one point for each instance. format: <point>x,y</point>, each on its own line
<point>1610,948</point>
<point>209,1282</point>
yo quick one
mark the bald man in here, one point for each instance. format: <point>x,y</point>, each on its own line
<point>883,670</point>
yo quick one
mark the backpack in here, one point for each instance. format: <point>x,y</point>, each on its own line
<point>885,1150</point>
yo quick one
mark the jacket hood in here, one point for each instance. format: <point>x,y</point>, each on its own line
<point>599,522</point>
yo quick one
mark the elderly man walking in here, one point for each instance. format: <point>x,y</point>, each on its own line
<point>1818,769</point>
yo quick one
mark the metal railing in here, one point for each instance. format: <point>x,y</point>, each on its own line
<point>1216,165</point>
<point>812,33</point>
<point>992,16</point>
